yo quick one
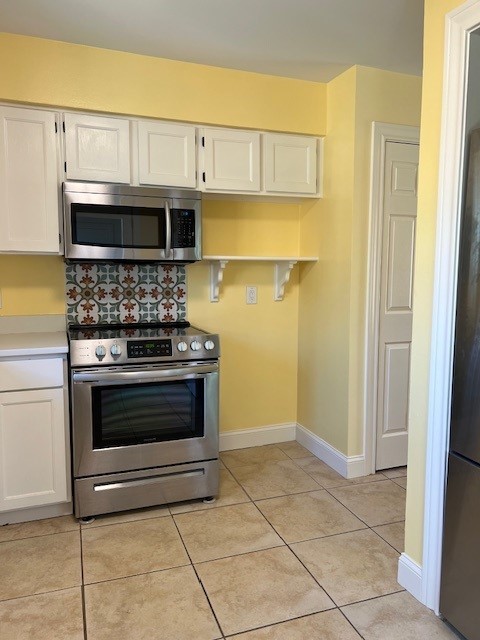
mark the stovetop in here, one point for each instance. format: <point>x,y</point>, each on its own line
<point>131,331</point>
<point>112,345</point>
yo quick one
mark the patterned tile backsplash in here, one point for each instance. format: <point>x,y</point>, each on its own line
<point>126,293</point>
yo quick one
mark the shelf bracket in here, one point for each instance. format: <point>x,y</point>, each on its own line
<point>282,272</point>
<point>217,267</point>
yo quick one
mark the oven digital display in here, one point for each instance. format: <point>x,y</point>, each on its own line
<point>148,348</point>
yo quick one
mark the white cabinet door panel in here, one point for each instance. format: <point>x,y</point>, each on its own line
<point>232,160</point>
<point>29,184</point>
<point>97,148</point>
<point>290,163</point>
<point>166,154</point>
<point>32,449</point>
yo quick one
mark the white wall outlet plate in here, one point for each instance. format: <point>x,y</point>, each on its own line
<point>251,294</point>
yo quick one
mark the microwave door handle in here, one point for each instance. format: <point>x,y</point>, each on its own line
<point>168,230</point>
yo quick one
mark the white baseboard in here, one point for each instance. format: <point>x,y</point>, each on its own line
<point>347,466</point>
<point>36,513</point>
<point>410,576</point>
<point>256,437</point>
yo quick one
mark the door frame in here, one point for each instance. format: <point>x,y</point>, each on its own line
<point>459,24</point>
<point>381,134</point>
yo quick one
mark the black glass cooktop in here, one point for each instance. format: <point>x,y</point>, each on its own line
<point>142,330</point>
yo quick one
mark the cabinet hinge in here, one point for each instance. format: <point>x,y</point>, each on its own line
<point>56,128</point>
<point>203,176</point>
<point>65,165</point>
<point>63,126</point>
<point>203,141</point>
<point>59,238</point>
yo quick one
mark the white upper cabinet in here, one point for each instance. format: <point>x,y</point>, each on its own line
<point>290,163</point>
<point>97,148</point>
<point>29,185</point>
<point>232,160</point>
<point>166,154</point>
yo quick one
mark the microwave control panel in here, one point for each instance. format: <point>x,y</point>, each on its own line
<point>149,348</point>
<point>183,228</point>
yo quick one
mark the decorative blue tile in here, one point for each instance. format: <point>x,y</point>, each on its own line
<point>126,293</point>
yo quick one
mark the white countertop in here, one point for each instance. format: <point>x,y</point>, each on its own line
<point>33,344</point>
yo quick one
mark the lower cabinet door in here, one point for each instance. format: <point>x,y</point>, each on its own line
<point>33,470</point>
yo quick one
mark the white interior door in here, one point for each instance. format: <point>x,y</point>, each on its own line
<point>396,297</point>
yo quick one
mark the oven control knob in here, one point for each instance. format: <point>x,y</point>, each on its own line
<point>100,351</point>
<point>182,346</point>
<point>115,350</point>
<point>209,345</point>
<point>195,346</point>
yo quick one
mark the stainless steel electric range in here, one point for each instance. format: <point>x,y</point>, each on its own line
<point>144,413</point>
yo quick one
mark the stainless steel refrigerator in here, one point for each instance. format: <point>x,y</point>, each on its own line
<point>460,585</point>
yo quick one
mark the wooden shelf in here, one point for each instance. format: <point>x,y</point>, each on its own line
<point>283,266</point>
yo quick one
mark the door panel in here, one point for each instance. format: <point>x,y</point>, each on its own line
<point>400,264</point>
<point>32,449</point>
<point>166,154</point>
<point>29,187</point>
<point>396,307</point>
<point>97,148</point>
<point>232,160</point>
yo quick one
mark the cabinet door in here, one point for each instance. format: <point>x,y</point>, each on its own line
<point>232,160</point>
<point>97,148</point>
<point>290,163</point>
<point>32,449</point>
<point>29,184</point>
<point>166,154</point>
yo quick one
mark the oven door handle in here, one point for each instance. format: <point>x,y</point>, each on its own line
<point>186,373</point>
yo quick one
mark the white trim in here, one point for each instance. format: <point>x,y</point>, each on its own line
<point>256,437</point>
<point>410,576</point>
<point>381,134</point>
<point>347,466</point>
<point>459,24</point>
<point>36,513</point>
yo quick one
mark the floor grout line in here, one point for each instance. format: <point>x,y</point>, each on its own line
<point>84,609</point>
<point>200,581</point>
<point>39,535</point>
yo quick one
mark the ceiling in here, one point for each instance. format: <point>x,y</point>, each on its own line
<point>307,39</point>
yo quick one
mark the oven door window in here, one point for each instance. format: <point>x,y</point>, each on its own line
<point>118,226</point>
<point>144,413</point>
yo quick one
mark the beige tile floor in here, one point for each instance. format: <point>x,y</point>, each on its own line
<point>289,551</point>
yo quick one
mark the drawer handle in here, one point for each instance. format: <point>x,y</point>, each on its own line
<point>138,482</point>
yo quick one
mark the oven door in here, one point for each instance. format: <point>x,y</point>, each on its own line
<point>117,227</point>
<point>130,418</point>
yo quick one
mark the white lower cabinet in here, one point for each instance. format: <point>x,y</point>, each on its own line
<point>33,448</point>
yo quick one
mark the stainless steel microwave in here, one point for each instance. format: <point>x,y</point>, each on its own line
<point>112,222</point>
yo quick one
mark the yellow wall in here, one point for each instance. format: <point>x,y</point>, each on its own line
<point>32,285</point>
<point>435,11</point>
<point>388,97</point>
<point>63,75</point>
<point>56,73</point>
<point>258,380</point>
<point>333,293</point>
<point>324,302</point>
